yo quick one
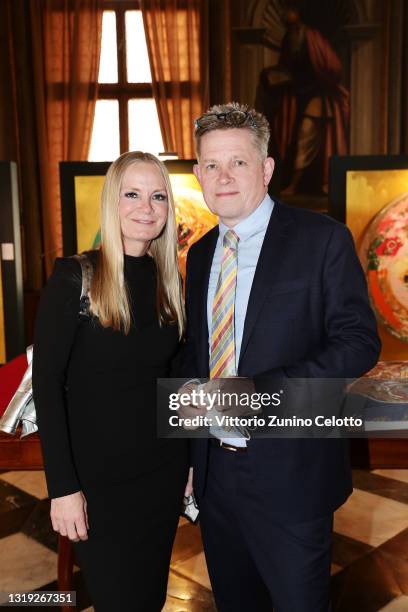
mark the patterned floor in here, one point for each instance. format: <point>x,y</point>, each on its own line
<point>370,547</point>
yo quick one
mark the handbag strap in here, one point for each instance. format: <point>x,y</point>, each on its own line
<point>87,274</point>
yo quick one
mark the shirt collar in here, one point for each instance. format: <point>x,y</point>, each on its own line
<point>256,222</point>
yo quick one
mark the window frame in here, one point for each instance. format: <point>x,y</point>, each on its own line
<point>122,90</point>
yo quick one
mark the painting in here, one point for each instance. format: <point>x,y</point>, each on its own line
<point>2,334</point>
<point>291,61</point>
<point>370,195</point>
<point>12,340</point>
<point>81,188</point>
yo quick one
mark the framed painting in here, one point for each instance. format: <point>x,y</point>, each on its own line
<point>12,341</point>
<point>2,330</point>
<point>370,195</point>
<point>81,188</point>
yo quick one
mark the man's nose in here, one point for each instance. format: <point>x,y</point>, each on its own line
<point>224,176</point>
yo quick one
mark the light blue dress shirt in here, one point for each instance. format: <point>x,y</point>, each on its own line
<point>251,232</point>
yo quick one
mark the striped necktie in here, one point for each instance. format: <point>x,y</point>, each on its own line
<point>222,357</point>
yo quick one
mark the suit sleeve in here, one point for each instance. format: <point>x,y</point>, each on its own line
<point>351,345</point>
<point>55,330</point>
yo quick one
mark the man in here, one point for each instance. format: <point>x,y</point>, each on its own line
<point>271,292</point>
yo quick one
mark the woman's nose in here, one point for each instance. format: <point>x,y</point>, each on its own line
<point>145,204</point>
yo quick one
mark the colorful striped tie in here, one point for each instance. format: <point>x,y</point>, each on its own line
<point>222,359</point>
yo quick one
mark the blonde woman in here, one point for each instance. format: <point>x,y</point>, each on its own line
<point>115,489</point>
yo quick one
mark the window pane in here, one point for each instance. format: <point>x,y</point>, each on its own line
<point>137,59</point>
<point>144,127</point>
<point>108,67</point>
<point>105,132</point>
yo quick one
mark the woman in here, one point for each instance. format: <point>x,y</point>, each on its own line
<point>115,489</point>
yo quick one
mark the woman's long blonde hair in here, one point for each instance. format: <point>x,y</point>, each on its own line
<point>109,293</point>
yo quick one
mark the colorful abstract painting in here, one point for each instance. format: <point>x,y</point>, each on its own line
<point>192,215</point>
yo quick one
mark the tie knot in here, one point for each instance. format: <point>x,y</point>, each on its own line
<point>231,240</point>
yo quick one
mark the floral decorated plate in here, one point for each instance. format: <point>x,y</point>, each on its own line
<point>384,254</point>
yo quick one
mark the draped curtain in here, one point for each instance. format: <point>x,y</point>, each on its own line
<point>49,66</point>
<point>66,51</point>
<point>176,33</point>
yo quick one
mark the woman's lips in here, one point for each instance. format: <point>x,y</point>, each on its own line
<point>142,222</point>
<point>226,193</point>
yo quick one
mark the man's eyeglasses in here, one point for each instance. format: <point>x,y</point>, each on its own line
<point>231,118</point>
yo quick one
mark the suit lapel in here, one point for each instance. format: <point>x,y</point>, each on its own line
<point>267,269</point>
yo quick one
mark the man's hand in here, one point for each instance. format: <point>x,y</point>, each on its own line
<point>189,485</point>
<point>69,516</point>
<point>229,406</point>
<point>194,407</point>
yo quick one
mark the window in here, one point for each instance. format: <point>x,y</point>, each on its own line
<point>125,115</point>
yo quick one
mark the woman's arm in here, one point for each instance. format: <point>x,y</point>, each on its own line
<point>55,330</point>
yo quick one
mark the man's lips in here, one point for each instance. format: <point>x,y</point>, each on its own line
<point>226,193</point>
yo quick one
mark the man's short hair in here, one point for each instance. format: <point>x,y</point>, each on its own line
<point>234,115</point>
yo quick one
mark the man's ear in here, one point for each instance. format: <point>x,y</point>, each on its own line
<point>269,166</point>
<point>197,172</point>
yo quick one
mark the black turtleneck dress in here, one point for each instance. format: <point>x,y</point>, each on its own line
<point>95,396</point>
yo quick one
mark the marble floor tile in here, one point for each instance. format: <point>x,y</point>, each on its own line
<point>187,543</point>
<point>186,595</point>
<point>381,485</point>
<point>38,525</point>
<point>395,474</point>
<point>195,568</point>
<point>398,545</point>
<point>370,518</point>
<point>25,564</point>
<point>15,507</point>
<point>345,550</point>
<point>367,585</point>
<point>32,482</point>
<point>83,601</point>
<point>399,604</point>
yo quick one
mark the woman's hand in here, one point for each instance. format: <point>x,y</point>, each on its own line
<point>189,485</point>
<point>69,516</point>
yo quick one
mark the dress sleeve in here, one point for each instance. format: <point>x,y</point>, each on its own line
<point>54,336</point>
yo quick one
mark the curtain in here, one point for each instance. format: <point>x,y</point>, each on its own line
<point>176,33</point>
<point>49,62</point>
<point>18,140</point>
<point>66,42</point>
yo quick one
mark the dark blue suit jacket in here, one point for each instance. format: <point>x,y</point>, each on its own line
<point>308,316</point>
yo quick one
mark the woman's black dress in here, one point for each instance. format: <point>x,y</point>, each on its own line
<point>95,395</point>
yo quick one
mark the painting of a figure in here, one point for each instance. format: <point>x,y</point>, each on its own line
<point>306,104</point>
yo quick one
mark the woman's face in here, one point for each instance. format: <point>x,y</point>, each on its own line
<point>143,207</point>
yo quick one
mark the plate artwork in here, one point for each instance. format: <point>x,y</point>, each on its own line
<point>384,255</point>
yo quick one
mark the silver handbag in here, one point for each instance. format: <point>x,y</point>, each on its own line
<point>21,409</point>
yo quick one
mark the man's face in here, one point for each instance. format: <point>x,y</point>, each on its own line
<point>231,173</point>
